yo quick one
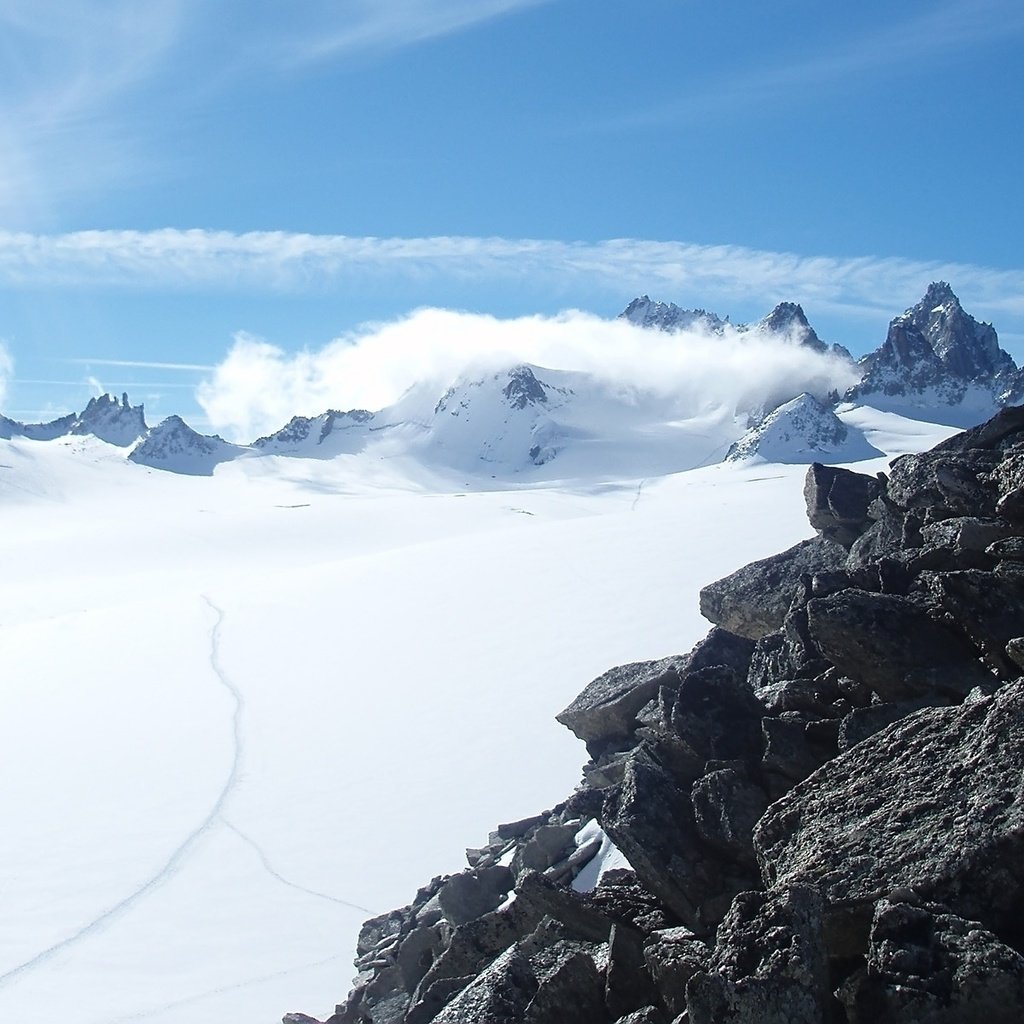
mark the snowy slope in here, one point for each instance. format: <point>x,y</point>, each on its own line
<point>230,702</point>
<point>802,431</point>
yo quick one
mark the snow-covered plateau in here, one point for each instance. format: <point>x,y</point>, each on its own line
<point>251,695</point>
<point>241,712</point>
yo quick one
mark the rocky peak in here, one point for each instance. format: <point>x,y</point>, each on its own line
<point>523,388</point>
<point>965,347</point>
<point>789,318</point>
<point>173,445</point>
<point>667,316</point>
<point>115,422</point>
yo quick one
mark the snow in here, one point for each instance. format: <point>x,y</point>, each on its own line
<point>239,713</point>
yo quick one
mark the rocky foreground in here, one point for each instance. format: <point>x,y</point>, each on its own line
<point>822,804</point>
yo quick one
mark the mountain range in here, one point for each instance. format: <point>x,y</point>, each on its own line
<point>937,363</point>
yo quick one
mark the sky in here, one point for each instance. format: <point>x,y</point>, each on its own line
<point>180,178</point>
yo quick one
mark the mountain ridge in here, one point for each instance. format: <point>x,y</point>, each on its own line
<point>937,362</point>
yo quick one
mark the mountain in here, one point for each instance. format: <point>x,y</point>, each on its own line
<point>306,435</point>
<point>667,316</point>
<point>937,361</point>
<point>117,423</point>
<point>800,431</point>
<point>173,445</point>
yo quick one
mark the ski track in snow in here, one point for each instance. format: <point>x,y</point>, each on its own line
<point>636,497</point>
<point>177,858</point>
<point>265,860</point>
<point>211,993</point>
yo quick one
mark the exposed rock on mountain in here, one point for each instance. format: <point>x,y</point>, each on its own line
<point>175,446</point>
<point>822,820</point>
<point>115,422</point>
<point>938,357</point>
<point>305,435</point>
<point>802,430</point>
<point>667,316</point>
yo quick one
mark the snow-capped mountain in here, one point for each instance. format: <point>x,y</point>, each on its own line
<point>116,422</point>
<point>667,316</point>
<point>173,445</point>
<point>306,435</point>
<point>938,361</point>
<point>800,431</point>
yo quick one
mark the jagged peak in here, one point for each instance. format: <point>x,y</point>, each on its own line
<point>667,316</point>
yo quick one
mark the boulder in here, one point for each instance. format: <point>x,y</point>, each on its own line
<point>892,645</point>
<point>605,712</point>
<point>674,956</point>
<point>754,600</point>
<point>769,965</point>
<point>650,818</point>
<point>928,966</point>
<point>499,995</point>
<point>933,802</point>
<point>474,892</point>
<point>838,501</point>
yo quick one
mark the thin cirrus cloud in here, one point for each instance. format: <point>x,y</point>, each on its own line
<point>945,28</point>
<point>290,262</point>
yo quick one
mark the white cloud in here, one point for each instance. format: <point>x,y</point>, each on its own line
<point>200,259</point>
<point>258,387</point>
<point>6,371</point>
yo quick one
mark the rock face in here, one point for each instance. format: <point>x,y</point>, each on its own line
<point>173,445</point>
<point>667,316</point>
<point>820,807</point>
<point>936,356</point>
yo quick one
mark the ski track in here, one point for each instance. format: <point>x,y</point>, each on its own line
<point>210,993</point>
<point>636,497</point>
<point>184,848</point>
<point>265,860</point>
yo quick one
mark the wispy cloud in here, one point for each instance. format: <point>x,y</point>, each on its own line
<point>141,364</point>
<point>892,50</point>
<point>336,30</point>
<point>72,74</point>
<point>217,260</point>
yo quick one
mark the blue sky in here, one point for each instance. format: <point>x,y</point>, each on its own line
<point>174,173</point>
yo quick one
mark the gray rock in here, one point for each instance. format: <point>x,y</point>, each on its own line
<point>628,986</point>
<point>498,995</point>
<point>927,966</point>
<point>605,712</point>
<point>726,806</point>
<point>569,988</point>
<point>717,716</point>
<point>892,645</point>
<point>988,608</point>
<point>861,723</point>
<point>966,533</point>
<point>933,802</point>
<point>674,956</point>
<point>754,600</point>
<point>838,501</point>
<point>769,965</point>
<point>650,819</point>
<point>546,846</point>
<point>474,892</point>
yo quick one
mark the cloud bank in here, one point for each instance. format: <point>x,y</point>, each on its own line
<point>290,262</point>
<point>6,371</point>
<point>258,387</point>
